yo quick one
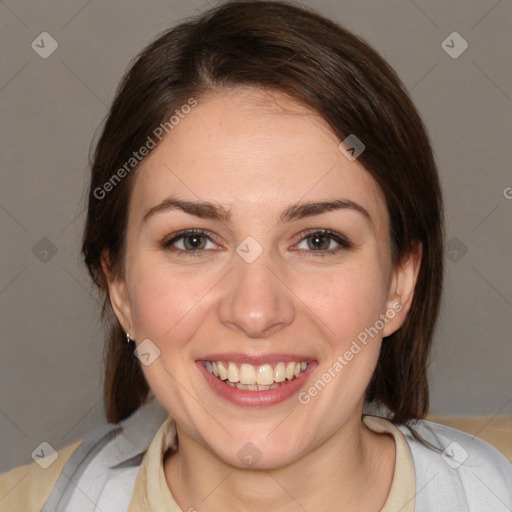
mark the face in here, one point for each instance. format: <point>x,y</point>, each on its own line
<point>292,300</point>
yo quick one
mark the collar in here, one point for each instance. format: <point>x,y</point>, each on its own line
<point>131,438</point>
<point>151,492</point>
<point>402,495</point>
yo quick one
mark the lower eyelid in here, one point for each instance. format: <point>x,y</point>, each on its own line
<point>320,250</point>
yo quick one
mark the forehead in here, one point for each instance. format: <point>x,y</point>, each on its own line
<point>247,148</point>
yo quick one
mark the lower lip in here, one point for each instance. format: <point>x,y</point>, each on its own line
<point>245,398</point>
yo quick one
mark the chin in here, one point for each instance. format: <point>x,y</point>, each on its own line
<point>257,455</point>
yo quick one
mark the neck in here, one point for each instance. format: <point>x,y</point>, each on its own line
<point>352,470</point>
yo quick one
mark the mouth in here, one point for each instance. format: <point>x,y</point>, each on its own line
<point>257,383</point>
<point>263,377</point>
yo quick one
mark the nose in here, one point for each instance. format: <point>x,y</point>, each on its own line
<point>256,299</point>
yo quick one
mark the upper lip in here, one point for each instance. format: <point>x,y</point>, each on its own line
<point>253,359</point>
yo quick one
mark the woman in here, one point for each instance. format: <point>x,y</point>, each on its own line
<point>265,222</point>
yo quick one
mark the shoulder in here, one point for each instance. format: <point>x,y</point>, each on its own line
<point>26,488</point>
<point>100,468</point>
<point>458,470</point>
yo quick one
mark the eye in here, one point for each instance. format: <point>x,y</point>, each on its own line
<point>189,242</point>
<point>320,241</point>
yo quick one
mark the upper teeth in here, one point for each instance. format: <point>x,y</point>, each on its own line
<point>248,374</point>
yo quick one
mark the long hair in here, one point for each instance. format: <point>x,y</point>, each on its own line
<point>281,47</point>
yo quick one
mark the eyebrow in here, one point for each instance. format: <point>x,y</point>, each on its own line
<point>297,211</point>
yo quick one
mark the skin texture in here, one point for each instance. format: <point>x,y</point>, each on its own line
<point>255,152</point>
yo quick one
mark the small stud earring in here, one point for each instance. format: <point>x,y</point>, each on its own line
<point>130,341</point>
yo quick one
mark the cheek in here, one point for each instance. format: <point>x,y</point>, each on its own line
<point>164,302</point>
<point>348,303</point>
<point>346,300</point>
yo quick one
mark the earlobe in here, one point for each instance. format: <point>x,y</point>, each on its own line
<point>401,291</point>
<point>118,295</point>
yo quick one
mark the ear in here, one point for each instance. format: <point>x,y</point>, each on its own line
<point>401,291</point>
<point>118,295</point>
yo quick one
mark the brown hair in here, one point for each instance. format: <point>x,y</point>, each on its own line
<point>293,50</point>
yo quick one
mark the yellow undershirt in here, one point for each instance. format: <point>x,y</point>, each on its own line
<point>153,494</point>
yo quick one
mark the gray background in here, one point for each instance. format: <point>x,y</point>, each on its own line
<point>51,354</point>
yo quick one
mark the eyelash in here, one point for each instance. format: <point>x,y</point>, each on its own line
<point>331,235</point>
<point>343,243</point>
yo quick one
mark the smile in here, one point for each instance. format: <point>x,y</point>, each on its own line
<point>248,377</point>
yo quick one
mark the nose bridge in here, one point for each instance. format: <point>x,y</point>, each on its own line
<point>255,301</point>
